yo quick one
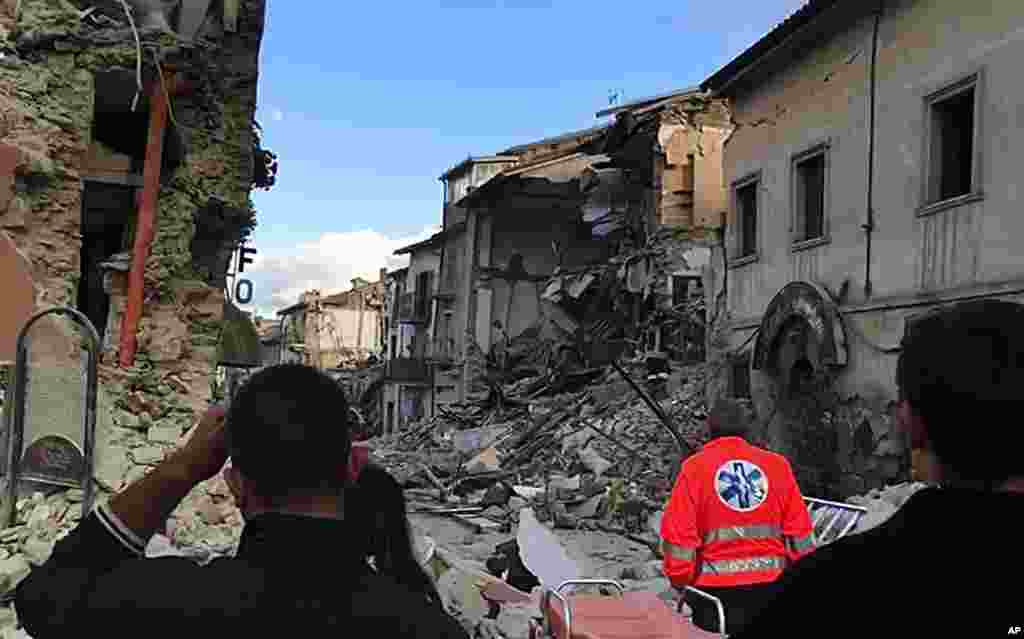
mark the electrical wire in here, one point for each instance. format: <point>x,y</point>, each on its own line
<point>138,55</point>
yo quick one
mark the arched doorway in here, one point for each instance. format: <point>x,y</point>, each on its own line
<point>799,351</point>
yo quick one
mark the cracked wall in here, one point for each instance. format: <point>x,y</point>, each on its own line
<point>48,90</point>
<point>920,256</point>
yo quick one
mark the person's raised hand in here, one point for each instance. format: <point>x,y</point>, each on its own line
<point>206,451</point>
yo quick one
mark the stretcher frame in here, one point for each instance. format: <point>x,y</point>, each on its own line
<point>560,595</point>
<point>859,512</point>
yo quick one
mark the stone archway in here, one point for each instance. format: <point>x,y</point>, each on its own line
<point>800,348</point>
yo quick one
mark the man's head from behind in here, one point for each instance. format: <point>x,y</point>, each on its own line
<point>288,431</point>
<point>961,383</point>
<point>730,417</point>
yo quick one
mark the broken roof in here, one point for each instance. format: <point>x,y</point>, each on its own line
<point>477,159</point>
<point>558,139</point>
<point>768,44</point>
<point>635,104</point>
<point>433,239</point>
<point>556,184</point>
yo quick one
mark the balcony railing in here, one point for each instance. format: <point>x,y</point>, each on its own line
<point>408,369</point>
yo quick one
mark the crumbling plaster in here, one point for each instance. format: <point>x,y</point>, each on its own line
<point>47,96</point>
<point>823,97</point>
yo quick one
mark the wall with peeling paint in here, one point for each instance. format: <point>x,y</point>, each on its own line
<point>823,97</point>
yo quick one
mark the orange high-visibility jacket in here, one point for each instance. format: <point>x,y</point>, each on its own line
<point>736,517</point>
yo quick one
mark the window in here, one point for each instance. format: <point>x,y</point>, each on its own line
<point>809,172</point>
<point>952,123</point>
<point>423,292</point>
<point>689,176</point>
<point>746,215</point>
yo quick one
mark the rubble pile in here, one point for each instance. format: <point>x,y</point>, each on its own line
<point>591,457</point>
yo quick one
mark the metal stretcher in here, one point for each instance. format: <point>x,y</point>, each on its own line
<point>641,614</point>
<point>832,520</point>
<point>625,615</point>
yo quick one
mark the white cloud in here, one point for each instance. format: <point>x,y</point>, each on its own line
<point>328,264</point>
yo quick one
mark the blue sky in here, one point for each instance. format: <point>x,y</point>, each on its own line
<point>367,103</point>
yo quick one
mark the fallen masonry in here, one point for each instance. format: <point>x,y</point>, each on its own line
<point>504,498</point>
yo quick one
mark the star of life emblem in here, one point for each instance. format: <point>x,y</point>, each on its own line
<point>741,485</point>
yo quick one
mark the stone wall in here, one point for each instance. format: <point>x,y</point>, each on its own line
<point>51,55</point>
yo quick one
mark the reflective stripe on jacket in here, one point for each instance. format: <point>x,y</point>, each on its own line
<point>735,517</point>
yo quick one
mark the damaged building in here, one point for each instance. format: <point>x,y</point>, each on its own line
<point>598,247</point>
<point>339,331</point>
<point>560,255</point>
<point>128,152</point>
<point>871,178</point>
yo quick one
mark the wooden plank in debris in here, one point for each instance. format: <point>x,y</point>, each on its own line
<point>480,524</point>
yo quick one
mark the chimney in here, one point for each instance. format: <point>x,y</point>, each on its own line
<point>383,274</point>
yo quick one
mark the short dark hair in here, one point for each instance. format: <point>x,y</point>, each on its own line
<point>730,417</point>
<point>288,432</point>
<point>961,368</point>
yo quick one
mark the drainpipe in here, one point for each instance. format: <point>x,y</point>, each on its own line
<point>436,308</point>
<point>282,335</point>
<point>869,224</point>
<point>146,225</point>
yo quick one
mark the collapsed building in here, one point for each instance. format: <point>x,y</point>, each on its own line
<point>343,330</point>
<point>128,152</point>
<point>562,254</point>
<point>600,247</point>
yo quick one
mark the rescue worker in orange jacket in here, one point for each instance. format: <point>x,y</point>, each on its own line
<point>735,520</point>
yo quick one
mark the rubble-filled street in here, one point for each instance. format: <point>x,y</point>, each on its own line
<point>493,492</point>
<point>530,307</point>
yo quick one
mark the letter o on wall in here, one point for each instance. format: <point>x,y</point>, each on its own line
<point>245,285</point>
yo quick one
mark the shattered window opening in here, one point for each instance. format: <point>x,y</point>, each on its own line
<point>108,211</point>
<point>810,180</point>
<point>746,205</point>
<point>952,128</point>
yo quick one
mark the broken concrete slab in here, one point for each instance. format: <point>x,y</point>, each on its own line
<point>593,461</point>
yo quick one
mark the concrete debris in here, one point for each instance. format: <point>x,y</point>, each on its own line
<point>566,448</point>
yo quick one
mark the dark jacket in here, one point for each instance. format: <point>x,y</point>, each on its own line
<point>292,578</point>
<point>947,564</point>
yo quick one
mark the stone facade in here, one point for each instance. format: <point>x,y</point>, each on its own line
<point>906,141</point>
<point>64,75</point>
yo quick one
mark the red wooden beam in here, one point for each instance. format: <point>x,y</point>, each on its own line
<point>145,227</point>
